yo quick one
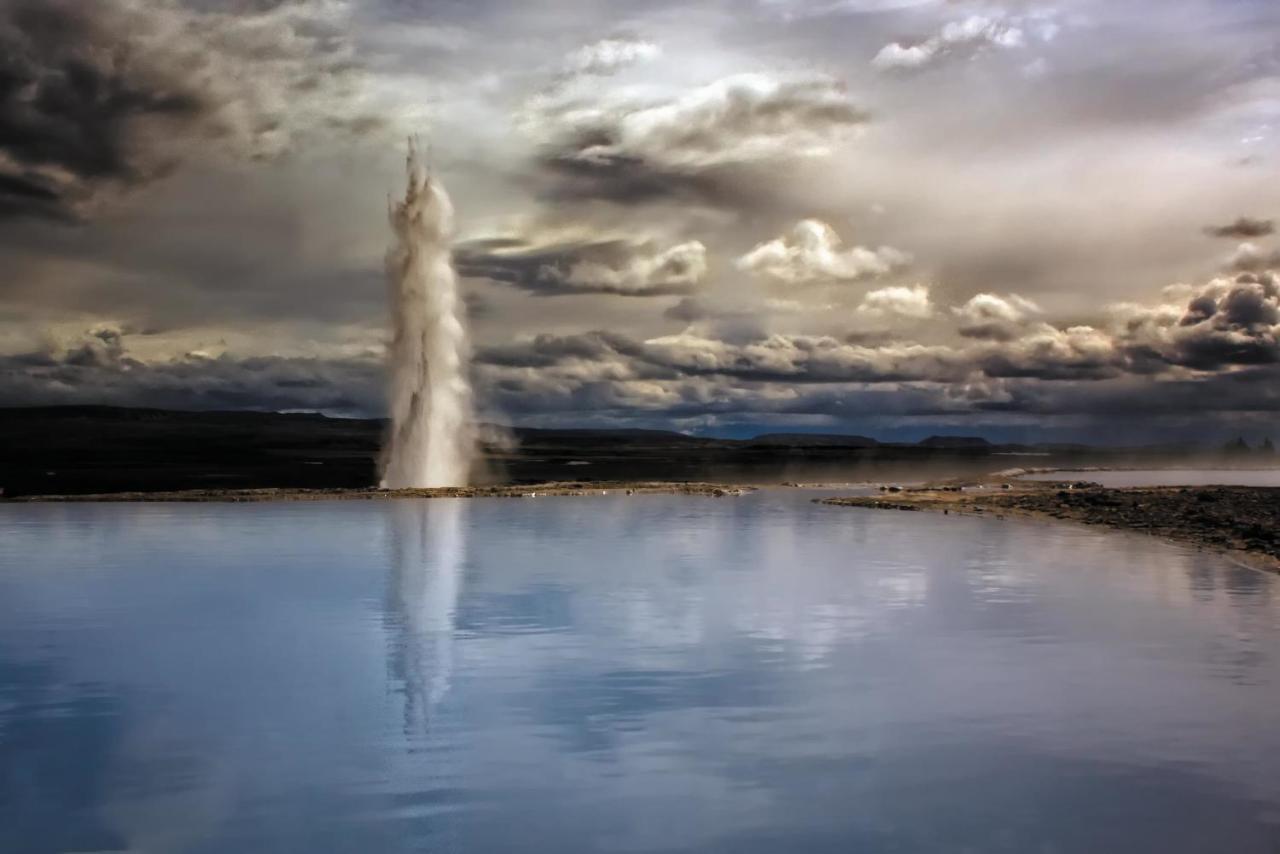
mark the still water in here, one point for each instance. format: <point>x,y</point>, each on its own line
<point>630,674</point>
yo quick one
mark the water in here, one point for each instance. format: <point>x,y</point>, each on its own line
<point>633,674</point>
<point>1170,477</point>
<point>432,437</point>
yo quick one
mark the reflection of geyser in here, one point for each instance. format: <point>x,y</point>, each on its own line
<point>427,549</point>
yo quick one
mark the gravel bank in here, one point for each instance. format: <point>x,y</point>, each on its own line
<point>1243,521</point>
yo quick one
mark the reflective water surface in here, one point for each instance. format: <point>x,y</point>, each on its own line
<point>638,674</point>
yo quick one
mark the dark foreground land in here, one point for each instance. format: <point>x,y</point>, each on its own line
<point>96,450</point>
<point>370,494</point>
<point>111,454</point>
<point>1241,520</point>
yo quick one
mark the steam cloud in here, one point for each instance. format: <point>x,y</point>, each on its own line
<point>432,422</point>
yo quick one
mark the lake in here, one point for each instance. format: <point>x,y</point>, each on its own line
<point>630,674</point>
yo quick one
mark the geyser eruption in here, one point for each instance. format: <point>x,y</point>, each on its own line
<point>432,425</point>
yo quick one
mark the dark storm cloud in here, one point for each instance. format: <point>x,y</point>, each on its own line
<point>99,370</point>
<point>1224,325</point>
<point>71,94</point>
<point>1230,398</point>
<point>698,144</point>
<point>635,180</point>
<point>639,122</point>
<point>1252,390</point>
<point>1213,346</point>
<point>585,266</point>
<point>102,347</point>
<point>778,358</point>
<point>1229,322</point>
<point>1243,228</point>
<point>103,96</point>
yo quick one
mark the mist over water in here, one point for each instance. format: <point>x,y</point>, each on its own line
<point>432,436</point>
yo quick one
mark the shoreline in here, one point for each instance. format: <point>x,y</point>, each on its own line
<point>539,490</point>
<point>1241,523</point>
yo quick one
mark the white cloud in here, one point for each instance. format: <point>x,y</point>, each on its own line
<point>813,252</point>
<point>609,56</point>
<point>995,317</point>
<point>679,268</point>
<point>1250,257</point>
<point>805,356</point>
<point>910,302</point>
<point>897,55</point>
<point>970,34</point>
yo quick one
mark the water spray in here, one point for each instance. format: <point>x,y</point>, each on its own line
<point>432,439</point>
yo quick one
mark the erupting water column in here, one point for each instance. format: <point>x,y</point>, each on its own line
<point>432,424</point>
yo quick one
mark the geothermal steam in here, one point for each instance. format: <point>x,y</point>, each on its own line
<point>432,425</point>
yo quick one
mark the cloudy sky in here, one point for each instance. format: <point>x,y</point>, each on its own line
<point>1033,220</point>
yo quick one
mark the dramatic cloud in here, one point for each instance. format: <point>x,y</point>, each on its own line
<point>622,145</point>
<point>1217,344</point>
<point>956,38</point>
<point>909,302</point>
<point>627,158</point>
<point>1243,228</point>
<point>1047,353</point>
<point>1221,325</point>
<point>992,317</point>
<point>104,96</point>
<point>812,252</point>
<point>586,266</point>
<point>1228,322</point>
<point>98,369</point>
<point>790,358</point>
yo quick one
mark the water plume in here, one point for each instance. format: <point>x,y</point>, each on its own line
<point>432,437</point>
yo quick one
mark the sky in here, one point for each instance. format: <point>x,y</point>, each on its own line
<point>1026,220</point>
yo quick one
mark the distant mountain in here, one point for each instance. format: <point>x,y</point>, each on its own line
<point>955,442</point>
<point>812,440</point>
<point>589,436</point>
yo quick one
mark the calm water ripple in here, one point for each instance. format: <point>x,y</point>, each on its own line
<point>639,674</point>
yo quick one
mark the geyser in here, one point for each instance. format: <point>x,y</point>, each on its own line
<point>432,435</point>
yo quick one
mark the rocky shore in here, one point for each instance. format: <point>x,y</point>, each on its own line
<point>1242,521</point>
<point>557,488</point>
